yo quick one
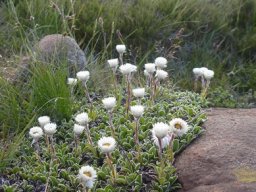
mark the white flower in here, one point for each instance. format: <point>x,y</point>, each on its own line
<point>107,144</point>
<point>179,126</point>
<point>83,76</point>
<point>113,63</point>
<point>146,73</point>
<point>137,111</point>
<point>197,72</point>
<point>138,92</point>
<point>164,141</point>
<point>121,48</point>
<point>203,69</point>
<point>72,81</point>
<point>208,74</point>
<point>127,68</point>
<point>88,175</point>
<point>36,133</point>
<point>50,128</point>
<point>43,120</point>
<point>82,119</point>
<point>78,129</point>
<point>161,62</point>
<point>161,74</point>
<point>109,103</point>
<point>150,68</point>
<point>160,130</point>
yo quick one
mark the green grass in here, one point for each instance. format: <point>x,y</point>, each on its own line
<point>217,34</point>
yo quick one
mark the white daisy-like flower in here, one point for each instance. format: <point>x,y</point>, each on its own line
<point>83,76</point>
<point>146,73</point>
<point>36,133</point>
<point>121,48</point>
<point>87,175</point>
<point>203,69</point>
<point>127,69</point>
<point>43,120</point>
<point>107,144</point>
<point>137,111</point>
<point>150,68</point>
<point>161,74</point>
<point>109,103</point>
<point>82,118</point>
<point>78,129</point>
<point>113,63</point>
<point>161,62</point>
<point>179,126</point>
<point>164,141</point>
<point>138,92</point>
<point>160,130</point>
<point>208,74</point>
<point>72,81</point>
<point>50,128</point>
<point>197,72</point>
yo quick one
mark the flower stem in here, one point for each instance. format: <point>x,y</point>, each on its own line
<point>110,163</point>
<point>121,58</point>
<point>115,81</point>
<point>88,96</point>
<point>160,149</point>
<point>88,134</point>
<point>53,148</point>
<point>111,124</point>
<point>37,147</point>
<point>47,143</point>
<point>136,135</point>
<point>128,100</point>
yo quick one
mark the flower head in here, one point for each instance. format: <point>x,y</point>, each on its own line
<point>164,141</point>
<point>113,63</point>
<point>82,118</point>
<point>87,175</point>
<point>197,72</point>
<point>146,73</point>
<point>208,74</point>
<point>179,126</point>
<point>138,92</point>
<point>78,129</point>
<point>160,130</point>
<point>43,120</point>
<point>50,128</point>
<point>109,103</point>
<point>83,76</point>
<point>161,62</point>
<point>107,144</point>
<point>137,111</point>
<point>36,133</point>
<point>161,74</point>
<point>150,68</point>
<point>121,48</point>
<point>72,81</point>
<point>127,69</point>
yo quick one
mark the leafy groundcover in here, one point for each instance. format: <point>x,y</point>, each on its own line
<point>32,172</point>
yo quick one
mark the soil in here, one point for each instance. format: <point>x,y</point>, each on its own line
<point>224,158</point>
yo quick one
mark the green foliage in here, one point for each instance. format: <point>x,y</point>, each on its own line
<point>50,94</point>
<point>221,97</point>
<point>144,173</point>
<point>216,34</point>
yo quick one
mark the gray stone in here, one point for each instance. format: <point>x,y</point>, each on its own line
<point>58,48</point>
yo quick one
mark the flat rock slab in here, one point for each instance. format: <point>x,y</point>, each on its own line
<point>223,159</point>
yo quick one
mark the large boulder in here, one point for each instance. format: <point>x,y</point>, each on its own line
<point>58,48</point>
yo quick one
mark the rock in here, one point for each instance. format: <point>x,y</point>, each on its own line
<point>59,48</point>
<point>223,159</point>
